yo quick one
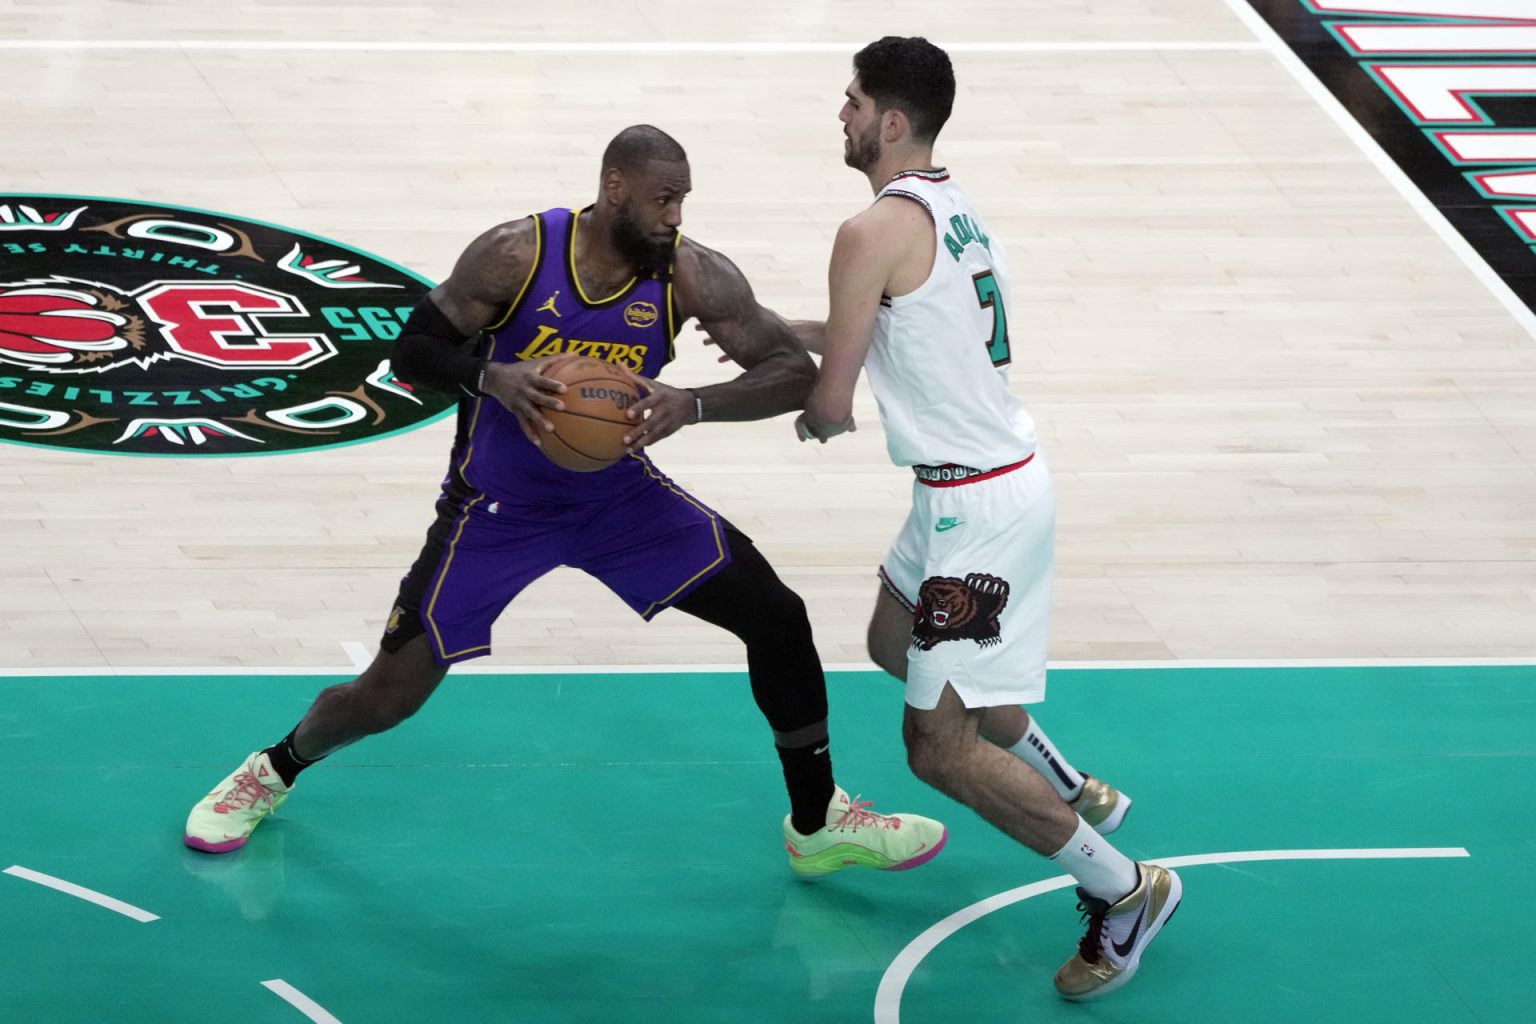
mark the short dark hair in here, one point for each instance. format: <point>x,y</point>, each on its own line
<point>639,144</point>
<point>912,75</point>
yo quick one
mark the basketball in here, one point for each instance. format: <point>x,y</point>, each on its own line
<point>589,433</point>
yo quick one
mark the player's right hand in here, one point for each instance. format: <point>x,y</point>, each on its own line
<point>523,390</point>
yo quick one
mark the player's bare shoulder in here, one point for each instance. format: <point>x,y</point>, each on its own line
<point>888,219</point>
<point>891,240</point>
<point>495,265</point>
<point>707,282</point>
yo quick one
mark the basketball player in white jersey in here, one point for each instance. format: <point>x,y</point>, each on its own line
<point>918,298</point>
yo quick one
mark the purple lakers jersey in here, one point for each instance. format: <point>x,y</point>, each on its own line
<point>553,315</point>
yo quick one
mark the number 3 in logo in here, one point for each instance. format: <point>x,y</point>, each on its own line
<point>203,322</point>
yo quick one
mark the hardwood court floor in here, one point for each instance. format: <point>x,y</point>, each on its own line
<point>604,847</point>
<point>1284,419</point>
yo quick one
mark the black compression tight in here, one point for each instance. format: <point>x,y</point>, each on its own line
<point>748,599</point>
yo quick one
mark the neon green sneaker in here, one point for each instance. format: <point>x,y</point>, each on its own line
<point>858,837</point>
<point>224,819</point>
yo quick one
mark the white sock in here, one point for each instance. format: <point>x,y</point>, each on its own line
<point>1037,751</point>
<point>1098,867</point>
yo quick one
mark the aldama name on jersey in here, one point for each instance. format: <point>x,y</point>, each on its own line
<point>1435,58</point>
<point>963,231</point>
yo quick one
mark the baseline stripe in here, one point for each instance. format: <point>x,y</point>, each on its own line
<point>894,981</point>
<point>351,666</point>
<point>89,895</point>
<point>638,49</point>
<point>299,1001</point>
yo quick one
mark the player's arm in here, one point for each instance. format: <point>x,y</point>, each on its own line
<point>430,350</point>
<point>778,373</point>
<point>810,333</point>
<point>807,332</point>
<point>863,258</point>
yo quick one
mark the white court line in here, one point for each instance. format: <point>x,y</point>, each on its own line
<point>894,981</point>
<point>1387,166</point>
<point>627,48</point>
<point>357,653</point>
<point>91,895</point>
<point>301,1002</point>
<point>105,671</point>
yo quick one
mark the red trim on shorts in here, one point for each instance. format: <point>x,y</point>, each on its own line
<point>999,471</point>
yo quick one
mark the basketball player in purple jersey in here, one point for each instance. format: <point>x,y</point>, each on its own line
<point>613,282</point>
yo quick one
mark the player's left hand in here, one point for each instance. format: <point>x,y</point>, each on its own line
<point>822,432</point>
<point>661,413</point>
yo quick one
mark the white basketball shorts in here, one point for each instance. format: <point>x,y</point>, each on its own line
<point>973,563</point>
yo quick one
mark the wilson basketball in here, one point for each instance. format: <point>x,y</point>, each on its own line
<point>589,433</point>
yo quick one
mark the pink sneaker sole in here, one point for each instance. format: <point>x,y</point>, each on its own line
<point>225,847</point>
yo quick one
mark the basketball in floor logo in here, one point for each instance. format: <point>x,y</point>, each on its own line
<point>152,329</point>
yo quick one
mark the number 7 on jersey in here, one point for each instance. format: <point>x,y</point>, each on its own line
<point>990,297</point>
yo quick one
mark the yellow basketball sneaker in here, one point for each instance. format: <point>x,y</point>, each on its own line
<point>224,819</point>
<point>1110,952</point>
<point>1102,806</point>
<point>855,836</point>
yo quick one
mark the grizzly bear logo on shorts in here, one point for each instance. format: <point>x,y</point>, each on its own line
<point>951,609</point>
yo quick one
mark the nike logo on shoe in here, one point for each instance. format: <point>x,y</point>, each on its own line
<point>947,523</point>
<point>821,749</point>
<point>1123,950</point>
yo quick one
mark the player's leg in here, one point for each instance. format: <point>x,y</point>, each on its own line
<point>1126,903</point>
<point>826,829</point>
<point>747,599</point>
<point>471,565</point>
<point>389,691</point>
<point>945,750</point>
<point>1008,726</point>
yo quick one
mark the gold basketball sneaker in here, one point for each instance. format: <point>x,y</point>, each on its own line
<point>224,819</point>
<point>1102,806</point>
<point>855,836</point>
<point>1110,952</point>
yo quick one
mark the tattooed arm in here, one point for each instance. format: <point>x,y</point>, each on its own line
<point>779,375</point>
<point>487,277</point>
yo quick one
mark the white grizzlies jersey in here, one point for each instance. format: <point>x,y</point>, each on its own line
<point>938,366</point>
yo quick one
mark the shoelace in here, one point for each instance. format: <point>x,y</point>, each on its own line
<point>856,817</point>
<point>1092,943</point>
<point>246,792</point>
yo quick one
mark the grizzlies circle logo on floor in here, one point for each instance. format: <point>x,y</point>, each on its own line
<point>149,329</point>
<point>953,609</point>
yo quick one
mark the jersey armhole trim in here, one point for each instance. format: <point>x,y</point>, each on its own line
<point>904,194</point>
<point>533,272</point>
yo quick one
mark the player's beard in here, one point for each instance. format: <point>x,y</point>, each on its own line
<point>862,151</point>
<point>646,254</point>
